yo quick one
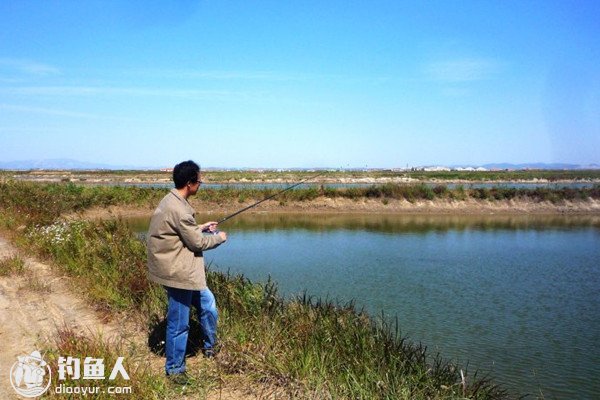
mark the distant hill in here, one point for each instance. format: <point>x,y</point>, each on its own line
<point>70,164</point>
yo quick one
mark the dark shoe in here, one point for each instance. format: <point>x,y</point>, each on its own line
<point>212,352</point>
<point>209,353</point>
<point>179,379</point>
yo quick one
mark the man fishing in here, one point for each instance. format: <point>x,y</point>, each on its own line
<point>175,244</point>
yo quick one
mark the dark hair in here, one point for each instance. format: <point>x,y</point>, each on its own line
<point>185,172</point>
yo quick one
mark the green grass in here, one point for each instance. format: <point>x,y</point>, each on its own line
<point>44,203</point>
<point>143,382</point>
<point>409,192</point>
<point>331,349</point>
<point>12,266</point>
<point>104,257</point>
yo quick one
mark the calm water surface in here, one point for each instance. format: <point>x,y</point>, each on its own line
<point>517,297</point>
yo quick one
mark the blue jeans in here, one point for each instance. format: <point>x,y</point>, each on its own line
<point>178,324</point>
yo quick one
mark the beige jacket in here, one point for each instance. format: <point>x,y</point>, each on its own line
<point>175,244</point>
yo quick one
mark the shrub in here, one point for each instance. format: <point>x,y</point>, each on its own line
<point>12,266</point>
<point>440,190</point>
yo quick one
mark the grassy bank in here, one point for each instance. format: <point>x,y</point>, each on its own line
<point>408,192</point>
<point>307,347</point>
<point>43,203</point>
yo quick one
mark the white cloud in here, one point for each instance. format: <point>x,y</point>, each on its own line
<point>228,75</point>
<point>66,91</point>
<point>462,70</point>
<point>259,76</point>
<point>47,111</point>
<point>27,67</point>
<point>59,113</point>
<point>149,92</point>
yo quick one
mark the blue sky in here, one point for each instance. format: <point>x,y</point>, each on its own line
<point>300,84</point>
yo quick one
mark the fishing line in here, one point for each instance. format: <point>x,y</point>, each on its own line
<point>265,199</point>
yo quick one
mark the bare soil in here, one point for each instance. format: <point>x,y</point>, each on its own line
<point>341,205</point>
<point>35,304</point>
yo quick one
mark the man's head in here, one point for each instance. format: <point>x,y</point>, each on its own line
<point>187,173</point>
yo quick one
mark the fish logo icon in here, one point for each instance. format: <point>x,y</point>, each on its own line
<point>30,375</point>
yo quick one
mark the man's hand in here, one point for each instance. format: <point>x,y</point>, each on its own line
<point>209,226</point>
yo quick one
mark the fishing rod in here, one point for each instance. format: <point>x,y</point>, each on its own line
<point>268,198</point>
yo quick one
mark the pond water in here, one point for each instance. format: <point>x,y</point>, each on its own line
<point>517,297</point>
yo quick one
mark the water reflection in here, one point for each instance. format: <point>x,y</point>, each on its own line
<point>387,223</point>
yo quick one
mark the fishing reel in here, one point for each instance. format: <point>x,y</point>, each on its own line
<point>208,232</point>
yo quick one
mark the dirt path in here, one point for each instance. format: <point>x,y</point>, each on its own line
<point>34,305</point>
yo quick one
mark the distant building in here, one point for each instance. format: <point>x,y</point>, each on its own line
<point>436,169</point>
